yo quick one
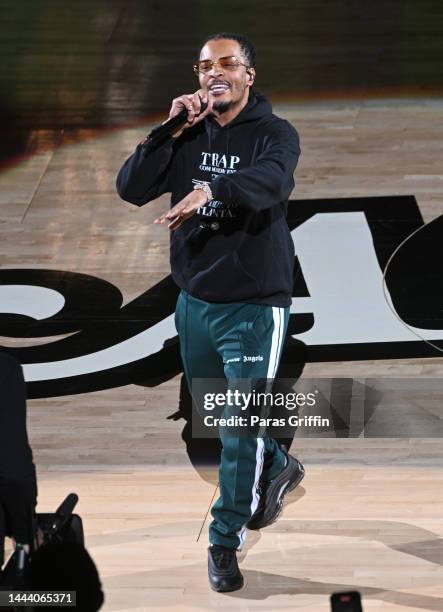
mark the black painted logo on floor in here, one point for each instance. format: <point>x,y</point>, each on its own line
<point>75,335</point>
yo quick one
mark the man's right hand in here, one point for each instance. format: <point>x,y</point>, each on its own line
<point>192,102</point>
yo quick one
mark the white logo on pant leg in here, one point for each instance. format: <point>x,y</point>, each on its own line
<point>232,359</point>
<point>252,358</point>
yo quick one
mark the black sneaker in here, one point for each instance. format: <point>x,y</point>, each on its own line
<point>224,574</point>
<point>273,491</point>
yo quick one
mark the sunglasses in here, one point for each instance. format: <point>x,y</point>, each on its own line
<point>226,63</point>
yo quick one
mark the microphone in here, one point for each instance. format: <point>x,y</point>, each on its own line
<point>161,132</point>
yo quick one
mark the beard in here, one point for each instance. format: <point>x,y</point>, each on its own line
<point>221,107</point>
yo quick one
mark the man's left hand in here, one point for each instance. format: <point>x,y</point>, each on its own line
<point>184,209</point>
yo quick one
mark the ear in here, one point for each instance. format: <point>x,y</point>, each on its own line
<point>251,74</point>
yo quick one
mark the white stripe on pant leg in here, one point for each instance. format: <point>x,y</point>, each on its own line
<point>274,354</point>
<point>276,342</point>
<point>259,458</point>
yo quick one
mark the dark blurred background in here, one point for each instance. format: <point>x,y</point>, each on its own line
<point>67,64</point>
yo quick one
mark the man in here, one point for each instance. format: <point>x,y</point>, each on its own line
<point>18,485</point>
<point>230,170</point>
<point>52,563</point>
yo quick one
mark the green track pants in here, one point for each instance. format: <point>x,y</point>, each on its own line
<point>234,341</point>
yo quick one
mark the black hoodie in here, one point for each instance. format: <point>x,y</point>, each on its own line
<point>236,248</point>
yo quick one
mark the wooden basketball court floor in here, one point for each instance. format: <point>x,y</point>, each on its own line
<point>368,515</point>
